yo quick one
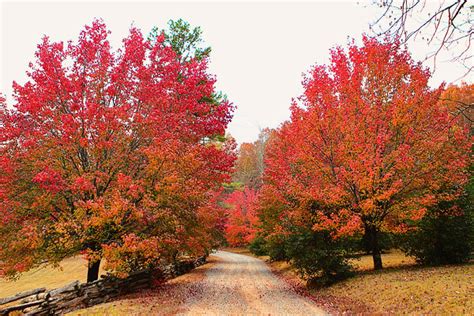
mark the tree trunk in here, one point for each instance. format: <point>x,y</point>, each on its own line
<point>373,234</point>
<point>93,271</point>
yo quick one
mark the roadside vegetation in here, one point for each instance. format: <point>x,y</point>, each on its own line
<point>406,290</point>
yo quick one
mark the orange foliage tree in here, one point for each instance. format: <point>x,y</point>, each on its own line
<point>368,145</point>
<point>460,101</point>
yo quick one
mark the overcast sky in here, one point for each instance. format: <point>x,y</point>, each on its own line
<point>259,50</point>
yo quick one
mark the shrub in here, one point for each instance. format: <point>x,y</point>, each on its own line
<point>275,246</point>
<point>318,257</point>
<point>441,237</point>
<point>258,246</point>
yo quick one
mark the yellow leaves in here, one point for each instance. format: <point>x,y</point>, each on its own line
<point>456,98</point>
<point>42,202</point>
<point>29,236</point>
<point>91,255</point>
<point>111,209</point>
<point>388,193</point>
<point>428,199</point>
<point>80,213</point>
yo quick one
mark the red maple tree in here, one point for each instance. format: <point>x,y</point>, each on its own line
<point>110,154</point>
<point>242,220</point>
<point>368,145</point>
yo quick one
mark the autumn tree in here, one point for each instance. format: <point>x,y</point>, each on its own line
<point>250,162</point>
<point>242,221</point>
<point>111,154</point>
<point>368,145</point>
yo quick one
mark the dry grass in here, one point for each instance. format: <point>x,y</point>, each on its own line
<point>393,259</point>
<point>70,269</point>
<point>401,288</point>
<point>404,287</point>
<point>430,290</point>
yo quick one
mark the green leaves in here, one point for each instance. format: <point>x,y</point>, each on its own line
<point>185,40</point>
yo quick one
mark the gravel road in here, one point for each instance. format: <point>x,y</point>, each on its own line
<point>243,285</point>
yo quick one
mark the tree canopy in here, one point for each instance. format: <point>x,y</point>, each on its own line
<point>368,145</point>
<point>107,153</point>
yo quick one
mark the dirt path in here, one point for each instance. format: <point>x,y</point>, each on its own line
<point>243,285</point>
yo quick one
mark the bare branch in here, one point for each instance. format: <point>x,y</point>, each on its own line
<point>450,26</point>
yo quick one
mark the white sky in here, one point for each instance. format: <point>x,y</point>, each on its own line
<point>259,50</point>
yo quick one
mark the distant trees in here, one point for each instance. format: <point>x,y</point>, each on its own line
<point>242,220</point>
<point>113,155</point>
<point>240,202</point>
<point>250,163</point>
<point>368,147</point>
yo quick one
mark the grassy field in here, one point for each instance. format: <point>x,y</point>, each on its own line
<point>430,290</point>
<point>401,288</point>
<point>71,269</point>
<point>393,259</point>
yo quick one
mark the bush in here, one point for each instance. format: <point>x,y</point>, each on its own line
<point>258,246</point>
<point>275,246</point>
<point>318,257</point>
<point>443,238</point>
<point>440,239</point>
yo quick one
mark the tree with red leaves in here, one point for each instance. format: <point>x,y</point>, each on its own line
<point>110,154</point>
<point>242,220</point>
<point>368,146</point>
